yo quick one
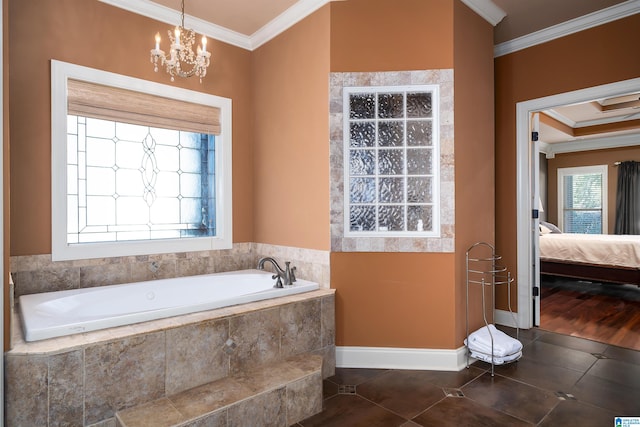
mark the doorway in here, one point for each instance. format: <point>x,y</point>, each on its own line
<point>527,177</point>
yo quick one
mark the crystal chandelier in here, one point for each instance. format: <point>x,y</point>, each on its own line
<point>181,54</point>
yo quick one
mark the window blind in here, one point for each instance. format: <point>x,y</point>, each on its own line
<point>127,106</point>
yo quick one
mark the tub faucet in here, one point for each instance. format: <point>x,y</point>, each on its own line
<point>284,277</point>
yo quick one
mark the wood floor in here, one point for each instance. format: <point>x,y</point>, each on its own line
<point>608,313</point>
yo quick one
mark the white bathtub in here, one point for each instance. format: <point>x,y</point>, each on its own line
<point>54,314</point>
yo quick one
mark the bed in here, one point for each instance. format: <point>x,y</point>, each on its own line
<point>595,257</point>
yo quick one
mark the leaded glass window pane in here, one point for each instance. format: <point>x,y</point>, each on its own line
<point>392,160</point>
<point>132,182</point>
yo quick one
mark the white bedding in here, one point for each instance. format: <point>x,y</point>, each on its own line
<point>602,249</point>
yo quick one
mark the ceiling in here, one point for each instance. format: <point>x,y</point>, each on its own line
<point>522,16</point>
<point>593,119</point>
<point>243,16</point>
<point>564,124</point>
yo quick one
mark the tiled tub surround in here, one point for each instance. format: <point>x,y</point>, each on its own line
<point>84,379</point>
<point>37,273</point>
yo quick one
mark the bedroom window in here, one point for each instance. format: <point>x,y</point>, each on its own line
<point>137,167</point>
<point>391,157</point>
<point>582,199</point>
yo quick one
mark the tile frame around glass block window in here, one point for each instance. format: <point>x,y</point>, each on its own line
<point>382,113</point>
<point>445,203</point>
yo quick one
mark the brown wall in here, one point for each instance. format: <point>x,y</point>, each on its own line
<point>394,299</point>
<point>94,34</point>
<point>589,158</point>
<point>474,150</point>
<point>386,35</point>
<point>278,198</point>
<point>290,80</point>
<point>416,300</point>
<point>589,58</point>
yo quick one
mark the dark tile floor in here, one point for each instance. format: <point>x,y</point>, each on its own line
<point>559,381</point>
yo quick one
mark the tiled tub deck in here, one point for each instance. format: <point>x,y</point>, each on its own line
<point>85,379</point>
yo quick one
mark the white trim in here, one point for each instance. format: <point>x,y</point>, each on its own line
<point>523,231</point>
<point>619,11</point>
<point>590,144</point>
<point>2,276</point>
<point>561,118</point>
<point>504,317</point>
<point>434,90</point>
<point>486,9</point>
<point>401,358</point>
<point>171,16</point>
<point>296,13</point>
<point>285,20</point>
<point>60,250</point>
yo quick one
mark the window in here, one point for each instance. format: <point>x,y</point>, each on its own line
<point>391,157</point>
<point>137,167</point>
<point>582,199</point>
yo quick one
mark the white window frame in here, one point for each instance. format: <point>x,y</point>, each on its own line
<point>584,170</point>
<point>61,72</point>
<point>435,102</point>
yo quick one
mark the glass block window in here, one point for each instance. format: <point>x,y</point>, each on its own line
<point>582,199</point>
<point>131,182</point>
<point>391,160</point>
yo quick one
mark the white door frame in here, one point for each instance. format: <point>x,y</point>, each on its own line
<point>2,275</point>
<point>524,175</point>
<point>534,199</point>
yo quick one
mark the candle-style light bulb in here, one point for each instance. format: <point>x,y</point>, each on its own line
<point>157,41</point>
<point>177,33</point>
<point>204,44</point>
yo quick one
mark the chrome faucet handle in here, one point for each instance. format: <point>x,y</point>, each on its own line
<point>278,280</point>
<point>289,274</point>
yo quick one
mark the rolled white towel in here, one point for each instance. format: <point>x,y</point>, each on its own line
<point>503,344</point>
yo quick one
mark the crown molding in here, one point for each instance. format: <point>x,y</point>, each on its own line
<point>285,20</point>
<point>171,16</point>
<point>559,117</point>
<point>619,11</point>
<point>618,141</point>
<point>486,9</point>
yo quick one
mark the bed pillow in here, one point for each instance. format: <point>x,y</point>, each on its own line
<point>544,229</point>
<point>552,228</point>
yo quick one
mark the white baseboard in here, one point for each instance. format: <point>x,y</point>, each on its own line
<point>401,358</point>
<point>505,318</point>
